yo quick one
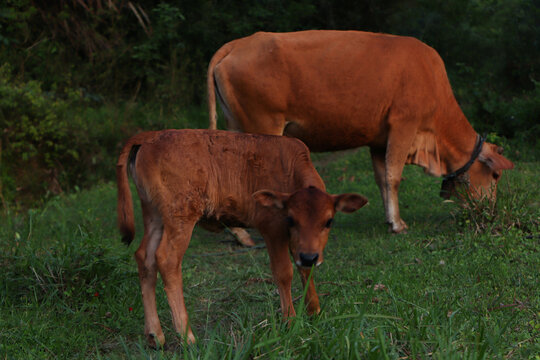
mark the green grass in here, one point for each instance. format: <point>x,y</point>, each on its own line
<point>69,288</point>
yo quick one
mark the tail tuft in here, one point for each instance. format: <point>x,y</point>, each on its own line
<point>128,238</point>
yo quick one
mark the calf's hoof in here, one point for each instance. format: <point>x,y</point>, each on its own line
<point>313,310</point>
<point>190,338</point>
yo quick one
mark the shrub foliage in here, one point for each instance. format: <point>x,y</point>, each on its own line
<point>69,56</point>
<point>37,137</point>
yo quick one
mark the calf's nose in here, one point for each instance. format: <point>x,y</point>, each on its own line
<point>308,259</point>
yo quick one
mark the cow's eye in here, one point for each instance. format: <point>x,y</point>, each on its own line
<point>329,223</point>
<point>290,221</point>
<point>496,175</point>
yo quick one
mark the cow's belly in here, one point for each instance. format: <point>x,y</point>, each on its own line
<point>340,119</point>
<point>336,134</point>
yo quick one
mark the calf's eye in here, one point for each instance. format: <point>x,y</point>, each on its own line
<point>329,223</point>
<point>290,221</point>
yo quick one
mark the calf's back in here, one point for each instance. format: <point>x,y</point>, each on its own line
<point>213,174</point>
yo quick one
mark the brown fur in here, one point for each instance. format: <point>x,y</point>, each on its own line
<point>344,89</point>
<point>216,179</point>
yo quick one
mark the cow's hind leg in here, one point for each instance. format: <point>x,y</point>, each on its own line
<point>379,170</point>
<point>146,262</point>
<point>169,255</point>
<point>267,124</point>
<point>238,119</point>
<point>264,124</point>
<point>244,115</point>
<point>242,236</point>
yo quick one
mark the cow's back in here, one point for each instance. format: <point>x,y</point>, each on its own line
<point>334,89</point>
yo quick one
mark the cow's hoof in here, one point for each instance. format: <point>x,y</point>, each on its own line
<point>155,341</point>
<point>398,228</point>
<point>243,237</point>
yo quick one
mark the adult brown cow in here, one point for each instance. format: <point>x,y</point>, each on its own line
<point>344,89</point>
<point>217,179</point>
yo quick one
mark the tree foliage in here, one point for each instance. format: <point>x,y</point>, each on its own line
<point>117,51</point>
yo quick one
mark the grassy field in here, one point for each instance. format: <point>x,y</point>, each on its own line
<point>456,286</point>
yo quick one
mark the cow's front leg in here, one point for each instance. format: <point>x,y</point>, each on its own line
<point>397,225</point>
<point>388,178</point>
<point>393,178</point>
<point>169,257</point>
<point>400,139</point>
<point>312,299</point>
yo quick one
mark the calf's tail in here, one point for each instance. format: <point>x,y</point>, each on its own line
<point>211,83</point>
<point>126,220</point>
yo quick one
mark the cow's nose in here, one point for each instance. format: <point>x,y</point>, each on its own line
<point>308,259</point>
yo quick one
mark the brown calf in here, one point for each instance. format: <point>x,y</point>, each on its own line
<point>344,89</point>
<point>216,178</point>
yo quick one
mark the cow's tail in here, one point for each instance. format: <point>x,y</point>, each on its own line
<point>211,83</point>
<point>126,220</point>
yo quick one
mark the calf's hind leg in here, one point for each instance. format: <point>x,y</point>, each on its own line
<point>146,262</point>
<point>169,255</point>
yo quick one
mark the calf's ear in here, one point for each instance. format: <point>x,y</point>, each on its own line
<point>491,155</point>
<point>270,198</point>
<point>349,203</point>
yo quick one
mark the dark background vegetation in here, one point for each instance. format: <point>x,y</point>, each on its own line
<point>78,77</point>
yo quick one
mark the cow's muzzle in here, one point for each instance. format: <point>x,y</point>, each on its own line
<point>447,189</point>
<point>308,259</point>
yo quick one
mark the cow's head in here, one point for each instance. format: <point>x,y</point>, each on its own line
<point>308,215</point>
<point>481,179</point>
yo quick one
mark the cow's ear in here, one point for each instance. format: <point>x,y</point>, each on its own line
<point>491,156</point>
<point>349,203</point>
<point>270,198</point>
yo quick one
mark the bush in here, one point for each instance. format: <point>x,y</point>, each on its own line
<point>80,66</point>
<point>51,142</point>
<point>37,140</point>
<point>59,141</point>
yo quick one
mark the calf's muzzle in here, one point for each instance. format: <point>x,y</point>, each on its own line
<point>308,259</point>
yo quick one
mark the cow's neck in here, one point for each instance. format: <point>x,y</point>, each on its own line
<point>457,139</point>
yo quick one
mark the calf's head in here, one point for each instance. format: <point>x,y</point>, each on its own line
<point>481,180</point>
<point>308,215</point>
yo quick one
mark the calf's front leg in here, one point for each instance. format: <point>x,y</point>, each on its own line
<point>312,299</point>
<point>282,272</point>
